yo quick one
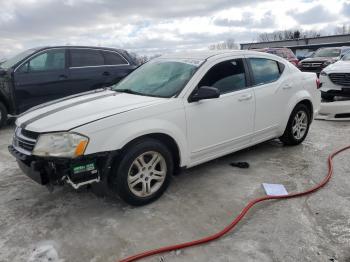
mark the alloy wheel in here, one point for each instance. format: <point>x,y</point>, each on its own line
<point>147,173</point>
<point>300,124</point>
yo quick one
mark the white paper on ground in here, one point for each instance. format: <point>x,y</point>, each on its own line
<point>275,189</point>
<point>44,252</point>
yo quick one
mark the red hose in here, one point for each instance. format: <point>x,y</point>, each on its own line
<point>239,217</point>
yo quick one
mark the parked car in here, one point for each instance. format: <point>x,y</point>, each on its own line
<point>322,58</point>
<point>335,79</point>
<point>283,52</point>
<point>176,111</point>
<point>305,55</point>
<point>39,75</point>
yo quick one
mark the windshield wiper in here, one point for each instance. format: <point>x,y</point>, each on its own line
<point>129,91</point>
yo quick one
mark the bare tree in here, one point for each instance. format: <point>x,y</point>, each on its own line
<point>287,35</point>
<point>342,30</point>
<point>311,34</point>
<point>141,59</point>
<point>227,44</point>
<point>264,37</point>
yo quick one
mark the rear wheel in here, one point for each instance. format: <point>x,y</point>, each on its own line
<point>298,126</point>
<point>327,97</point>
<point>143,173</point>
<point>3,114</point>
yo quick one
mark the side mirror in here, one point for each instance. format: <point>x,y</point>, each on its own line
<point>204,92</point>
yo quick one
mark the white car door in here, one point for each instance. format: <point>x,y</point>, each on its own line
<point>221,125</point>
<point>272,93</point>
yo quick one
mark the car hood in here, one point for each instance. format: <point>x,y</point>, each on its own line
<point>66,114</point>
<point>318,59</point>
<point>338,67</point>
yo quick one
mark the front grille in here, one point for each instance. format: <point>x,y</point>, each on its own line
<point>311,69</point>
<point>26,145</point>
<point>30,134</point>
<point>311,66</point>
<point>342,79</point>
<point>24,140</point>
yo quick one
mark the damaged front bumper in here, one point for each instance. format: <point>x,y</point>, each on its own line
<point>57,171</point>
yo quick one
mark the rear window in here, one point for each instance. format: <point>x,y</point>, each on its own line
<point>265,70</point>
<point>112,58</point>
<point>82,57</point>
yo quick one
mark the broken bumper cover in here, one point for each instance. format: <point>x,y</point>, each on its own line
<point>55,171</point>
<point>345,92</point>
<point>337,110</point>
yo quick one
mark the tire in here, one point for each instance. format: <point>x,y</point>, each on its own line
<point>295,133</point>
<point>327,97</point>
<point>3,115</point>
<point>133,177</point>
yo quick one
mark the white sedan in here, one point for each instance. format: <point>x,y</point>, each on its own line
<point>335,79</point>
<point>176,111</point>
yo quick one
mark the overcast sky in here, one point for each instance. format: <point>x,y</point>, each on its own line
<point>157,26</point>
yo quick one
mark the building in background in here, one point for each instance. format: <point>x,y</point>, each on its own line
<point>302,46</point>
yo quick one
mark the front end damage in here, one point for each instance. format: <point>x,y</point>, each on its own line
<point>52,171</point>
<point>338,110</point>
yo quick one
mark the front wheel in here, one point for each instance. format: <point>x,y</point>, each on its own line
<point>297,127</point>
<point>143,173</point>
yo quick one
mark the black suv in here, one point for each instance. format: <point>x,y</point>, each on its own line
<point>322,58</point>
<point>39,75</point>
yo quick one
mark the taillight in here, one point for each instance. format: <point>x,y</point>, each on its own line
<point>318,83</point>
<point>294,62</point>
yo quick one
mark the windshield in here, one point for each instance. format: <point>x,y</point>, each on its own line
<point>346,57</point>
<point>17,58</point>
<point>160,78</point>
<point>327,53</point>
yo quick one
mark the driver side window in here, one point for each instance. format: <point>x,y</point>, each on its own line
<point>48,61</point>
<point>227,76</point>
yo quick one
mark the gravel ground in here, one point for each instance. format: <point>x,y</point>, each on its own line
<point>66,225</point>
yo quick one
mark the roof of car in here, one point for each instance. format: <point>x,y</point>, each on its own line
<point>123,52</point>
<point>271,48</point>
<point>78,46</point>
<point>203,55</point>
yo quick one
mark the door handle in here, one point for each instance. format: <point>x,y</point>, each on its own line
<point>62,77</point>
<point>106,73</point>
<point>287,86</point>
<point>245,97</point>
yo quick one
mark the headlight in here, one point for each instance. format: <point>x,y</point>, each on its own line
<point>326,63</point>
<point>323,73</point>
<point>62,144</point>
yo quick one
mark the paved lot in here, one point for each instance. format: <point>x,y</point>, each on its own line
<point>83,227</point>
